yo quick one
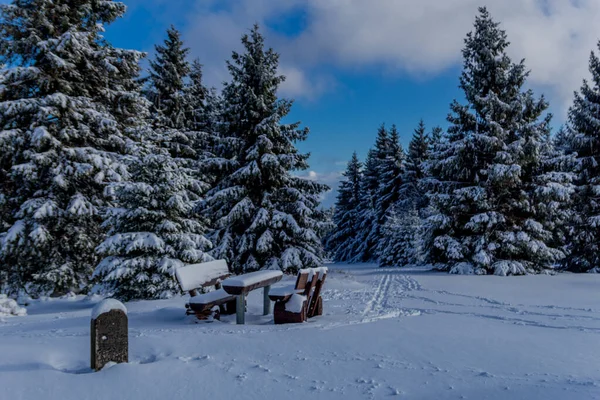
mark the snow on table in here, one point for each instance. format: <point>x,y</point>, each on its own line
<point>107,305</point>
<point>252,278</point>
<point>193,276</point>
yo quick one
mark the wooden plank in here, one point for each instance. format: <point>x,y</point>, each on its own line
<point>301,280</point>
<point>202,307</point>
<point>312,307</point>
<point>310,285</point>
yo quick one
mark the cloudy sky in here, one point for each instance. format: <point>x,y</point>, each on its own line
<point>354,64</point>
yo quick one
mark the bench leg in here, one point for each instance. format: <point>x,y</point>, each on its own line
<point>240,309</point>
<point>266,301</point>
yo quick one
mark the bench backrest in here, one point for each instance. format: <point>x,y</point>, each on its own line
<point>314,277</point>
<point>302,279</point>
<point>194,276</point>
<point>320,278</point>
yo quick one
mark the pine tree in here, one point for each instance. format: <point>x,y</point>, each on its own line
<point>391,177</point>
<point>400,244</point>
<point>369,217</point>
<point>69,105</point>
<point>196,97</point>
<point>583,140</point>
<point>418,155</point>
<point>264,216</point>
<point>168,72</point>
<point>342,243</point>
<point>152,232</point>
<point>487,169</point>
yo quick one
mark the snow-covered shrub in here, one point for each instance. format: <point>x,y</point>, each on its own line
<point>9,307</point>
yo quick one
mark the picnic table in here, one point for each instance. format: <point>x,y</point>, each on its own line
<point>243,284</point>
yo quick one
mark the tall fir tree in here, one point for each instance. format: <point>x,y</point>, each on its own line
<point>264,216</point>
<point>152,232</point>
<point>69,105</point>
<point>392,171</point>
<point>413,195</point>
<point>368,218</point>
<point>168,72</point>
<point>583,141</point>
<point>342,242</point>
<point>488,221</point>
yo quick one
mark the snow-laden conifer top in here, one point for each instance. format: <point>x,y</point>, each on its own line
<point>107,305</point>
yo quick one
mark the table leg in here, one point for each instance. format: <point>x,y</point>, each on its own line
<point>240,309</point>
<point>266,301</point>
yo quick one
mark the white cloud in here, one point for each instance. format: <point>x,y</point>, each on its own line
<point>418,37</point>
<point>298,84</point>
<point>425,37</point>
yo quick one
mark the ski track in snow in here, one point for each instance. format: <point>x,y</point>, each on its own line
<point>389,293</point>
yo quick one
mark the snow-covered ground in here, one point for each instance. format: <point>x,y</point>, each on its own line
<point>385,332</point>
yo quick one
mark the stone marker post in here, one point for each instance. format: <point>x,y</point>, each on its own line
<point>109,334</point>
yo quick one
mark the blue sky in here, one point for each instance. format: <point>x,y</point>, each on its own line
<point>354,64</point>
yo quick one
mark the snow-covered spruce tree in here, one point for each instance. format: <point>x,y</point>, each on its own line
<point>68,102</point>
<point>487,219</point>
<point>583,139</point>
<point>152,232</point>
<point>418,154</point>
<point>342,243</point>
<point>369,219</point>
<point>392,181</point>
<point>400,244</point>
<point>263,215</point>
<point>392,170</point>
<point>168,72</point>
<point>197,95</point>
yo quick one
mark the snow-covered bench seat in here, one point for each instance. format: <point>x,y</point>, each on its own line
<point>204,302</point>
<point>195,276</point>
<point>294,304</point>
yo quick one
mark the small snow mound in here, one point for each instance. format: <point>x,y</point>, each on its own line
<point>9,307</point>
<point>463,268</point>
<point>107,305</point>
<point>295,303</point>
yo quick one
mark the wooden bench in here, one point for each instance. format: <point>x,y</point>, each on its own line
<point>239,286</point>
<point>297,303</point>
<point>206,306</point>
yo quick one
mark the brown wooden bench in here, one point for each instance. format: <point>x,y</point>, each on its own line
<point>295,304</point>
<point>206,306</point>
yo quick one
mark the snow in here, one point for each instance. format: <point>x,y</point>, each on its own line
<point>251,278</point>
<point>195,275</point>
<point>9,307</point>
<point>404,332</point>
<point>107,305</point>
<point>209,297</point>
<point>295,303</point>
